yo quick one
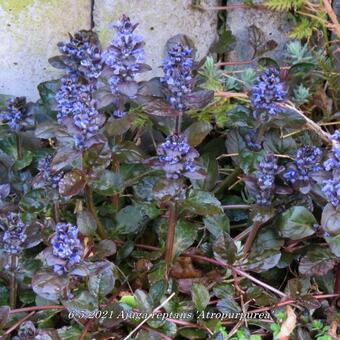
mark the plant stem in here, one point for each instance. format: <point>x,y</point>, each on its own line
<point>18,323</point>
<point>254,229</point>
<point>178,123</point>
<point>115,168</point>
<point>170,235</point>
<point>239,272</point>
<point>311,124</point>
<point>13,282</point>
<point>227,181</point>
<point>90,204</point>
<point>337,282</point>
<point>237,206</point>
<point>19,146</point>
<point>35,308</point>
<point>56,211</point>
<point>333,17</point>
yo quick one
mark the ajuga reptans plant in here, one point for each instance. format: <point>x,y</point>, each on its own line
<point>125,193</point>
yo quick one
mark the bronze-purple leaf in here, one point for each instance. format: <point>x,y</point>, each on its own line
<point>58,61</point>
<point>64,157</point>
<point>72,183</point>
<point>198,99</point>
<point>158,107</point>
<point>128,88</point>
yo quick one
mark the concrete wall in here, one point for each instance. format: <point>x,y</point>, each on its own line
<point>30,30</point>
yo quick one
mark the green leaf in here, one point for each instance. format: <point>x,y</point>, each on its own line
<point>84,303</point>
<point>49,285</point>
<point>130,219</point>
<point>143,301</point>
<point>225,249</point>
<point>25,161</point>
<point>228,305</point>
<point>108,184</point>
<point>334,244</point>
<point>268,62</point>
<point>296,223</point>
<point>200,296</point>
<point>185,235</point>
<point>330,220</point>
<point>47,91</point>
<point>33,201</point>
<point>193,333</point>
<point>202,203</point>
<point>210,164</point>
<point>261,297</point>
<point>264,261</point>
<point>129,300</point>
<point>317,261</point>
<point>4,296</point>
<point>104,249</point>
<point>102,283</point>
<point>197,131</point>
<point>69,332</point>
<point>302,68</point>
<point>86,223</point>
<point>217,224</point>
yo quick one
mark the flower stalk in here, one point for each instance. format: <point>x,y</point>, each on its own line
<point>170,235</point>
<point>90,204</point>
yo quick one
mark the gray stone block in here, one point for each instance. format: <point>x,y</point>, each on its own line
<point>30,30</point>
<point>275,28</point>
<point>158,21</point>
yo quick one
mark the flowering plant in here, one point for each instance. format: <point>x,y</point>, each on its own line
<point>194,192</point>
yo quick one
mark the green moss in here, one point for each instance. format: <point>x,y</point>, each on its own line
<point>14,7</point>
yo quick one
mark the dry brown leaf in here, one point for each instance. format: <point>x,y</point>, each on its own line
<point>288,325</point>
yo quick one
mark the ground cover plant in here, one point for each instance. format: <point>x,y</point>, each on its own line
<point>166,208</point>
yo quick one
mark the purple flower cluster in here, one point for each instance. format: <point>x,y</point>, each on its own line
<point>177,79</point>
<point>250,139</point>
<point>45,173</point>
<point>83,54</point>
<point>307,160</point>
<point>331,186</point>
<point>16,116</point>
<point>124,56</point>
<point>265,178</point>
<point>66,247</point>
<point>14,234</point>
<point>176,157</point>
<point>75,99</point>
<point>266,93</point>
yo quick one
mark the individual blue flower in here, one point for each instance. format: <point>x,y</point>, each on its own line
<point>267,92</point>
<point>16,116</point>
<point>306,163</point>
<point>176,157</point>
<point>177,79</point>
<point>66,247</point>
<point>125,55</point>
<point>14,233</point>
<point>118,114</point>
<point>265,178</point>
